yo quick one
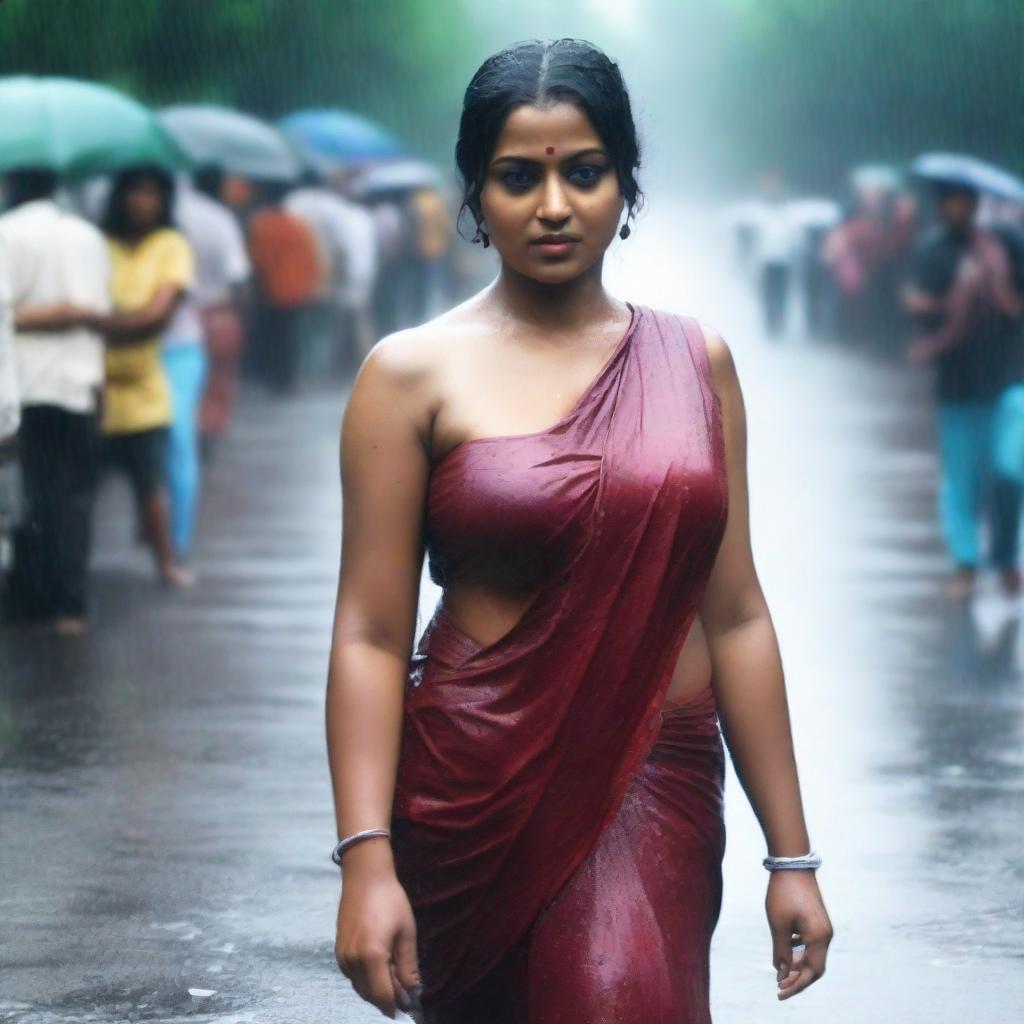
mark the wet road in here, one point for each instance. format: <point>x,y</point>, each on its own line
<point>166,813</point>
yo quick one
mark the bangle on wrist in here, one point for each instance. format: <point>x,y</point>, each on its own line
<point>356,837</point>
<point>810,860</point>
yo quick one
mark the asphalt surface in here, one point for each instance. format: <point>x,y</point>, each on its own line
<point>165,810</point>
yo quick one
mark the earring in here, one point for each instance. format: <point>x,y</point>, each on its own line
<point>624,231</point>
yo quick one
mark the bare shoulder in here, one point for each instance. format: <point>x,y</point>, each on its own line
<point>723,366</point>
<point>402,371</point>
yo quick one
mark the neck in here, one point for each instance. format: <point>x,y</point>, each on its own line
<point>135,236</point>
<point>568,304</point>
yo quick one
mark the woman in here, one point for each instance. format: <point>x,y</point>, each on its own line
<point>531,804</point>
<point>151,270</point>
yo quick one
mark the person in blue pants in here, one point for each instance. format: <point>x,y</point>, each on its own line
<point>963,298</point>
<point>184,357</point>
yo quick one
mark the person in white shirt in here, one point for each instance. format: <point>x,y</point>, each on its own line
<point>221,263</point>
<point>60,273</point>
<point>10,402</point>
<point>348,236</point>
<point>223,292</point>
<point>10,415</point>
<point>777,244</point>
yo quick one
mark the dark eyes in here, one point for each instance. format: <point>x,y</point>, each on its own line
<point>519,179</point>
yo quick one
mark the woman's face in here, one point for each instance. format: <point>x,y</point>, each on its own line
<point>550,200</point>
<point>143,204</point>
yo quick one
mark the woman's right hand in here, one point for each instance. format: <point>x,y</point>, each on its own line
<point>376,938</point>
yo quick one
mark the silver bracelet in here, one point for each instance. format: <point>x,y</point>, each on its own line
<point>807,860</point>
<point>351,840</point>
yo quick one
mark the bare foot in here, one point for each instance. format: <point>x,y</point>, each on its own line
<point>960,585</point>
<point>177,576</point>
<point>69,625</point>
<point>1010,580</point>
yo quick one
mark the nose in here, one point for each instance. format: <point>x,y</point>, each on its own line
<point>554,205</point>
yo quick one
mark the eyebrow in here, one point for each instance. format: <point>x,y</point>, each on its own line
<point>512,158</point>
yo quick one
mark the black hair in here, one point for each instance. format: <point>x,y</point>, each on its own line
<point>947,189</point>
<point>209,179</point>
<point>115,219</point>
<point>272,191</point>
<point>25,184</point>
<point>545,71</point>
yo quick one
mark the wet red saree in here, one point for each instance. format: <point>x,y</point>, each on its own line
<point>557,828</point>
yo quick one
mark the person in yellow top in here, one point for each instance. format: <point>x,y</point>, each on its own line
<point>152,267</point>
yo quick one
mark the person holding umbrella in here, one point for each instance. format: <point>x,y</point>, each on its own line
<point>966,309</point>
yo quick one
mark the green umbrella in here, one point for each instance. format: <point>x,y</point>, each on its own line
<point>78,128</point>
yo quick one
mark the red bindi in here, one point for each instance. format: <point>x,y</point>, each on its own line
<point>549,150</point>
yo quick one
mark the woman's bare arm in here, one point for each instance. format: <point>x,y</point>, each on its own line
<point>384,472</point>
<point>57,316</point>
<point>747,677</point>
<point>128,327</point>
<point>746,663</point>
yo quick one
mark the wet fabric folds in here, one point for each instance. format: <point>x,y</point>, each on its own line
<point>516,756</point>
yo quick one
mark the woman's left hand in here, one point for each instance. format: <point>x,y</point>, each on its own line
<point>796,914</point>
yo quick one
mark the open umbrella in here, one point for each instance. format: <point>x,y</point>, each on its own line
<point>883,177</point>
<point>341,136</point>
<point>78,128</point>
<point>814,212</point>
<point>960,169</point>
<point>236,142</point>
<point>396,176</point>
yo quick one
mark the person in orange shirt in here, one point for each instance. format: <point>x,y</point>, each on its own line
<point>287,271</point>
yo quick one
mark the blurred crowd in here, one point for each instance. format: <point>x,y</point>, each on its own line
<point>131,304</point>
<point>929,267</point>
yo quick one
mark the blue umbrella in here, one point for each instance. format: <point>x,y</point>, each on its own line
<point>341,136</point>
<point>969,171</point>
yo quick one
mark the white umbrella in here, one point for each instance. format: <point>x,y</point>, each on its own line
<point>396,176</point>
<point>236,142</point>
<point>814,212</point>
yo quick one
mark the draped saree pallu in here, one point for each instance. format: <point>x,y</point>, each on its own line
<point>557,825</point>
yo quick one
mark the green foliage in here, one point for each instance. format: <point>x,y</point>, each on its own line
<point>390,59</point>
<point>814,86</point>
<point>809,86</point>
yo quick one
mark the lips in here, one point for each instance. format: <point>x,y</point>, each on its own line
<point>555,245</point>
